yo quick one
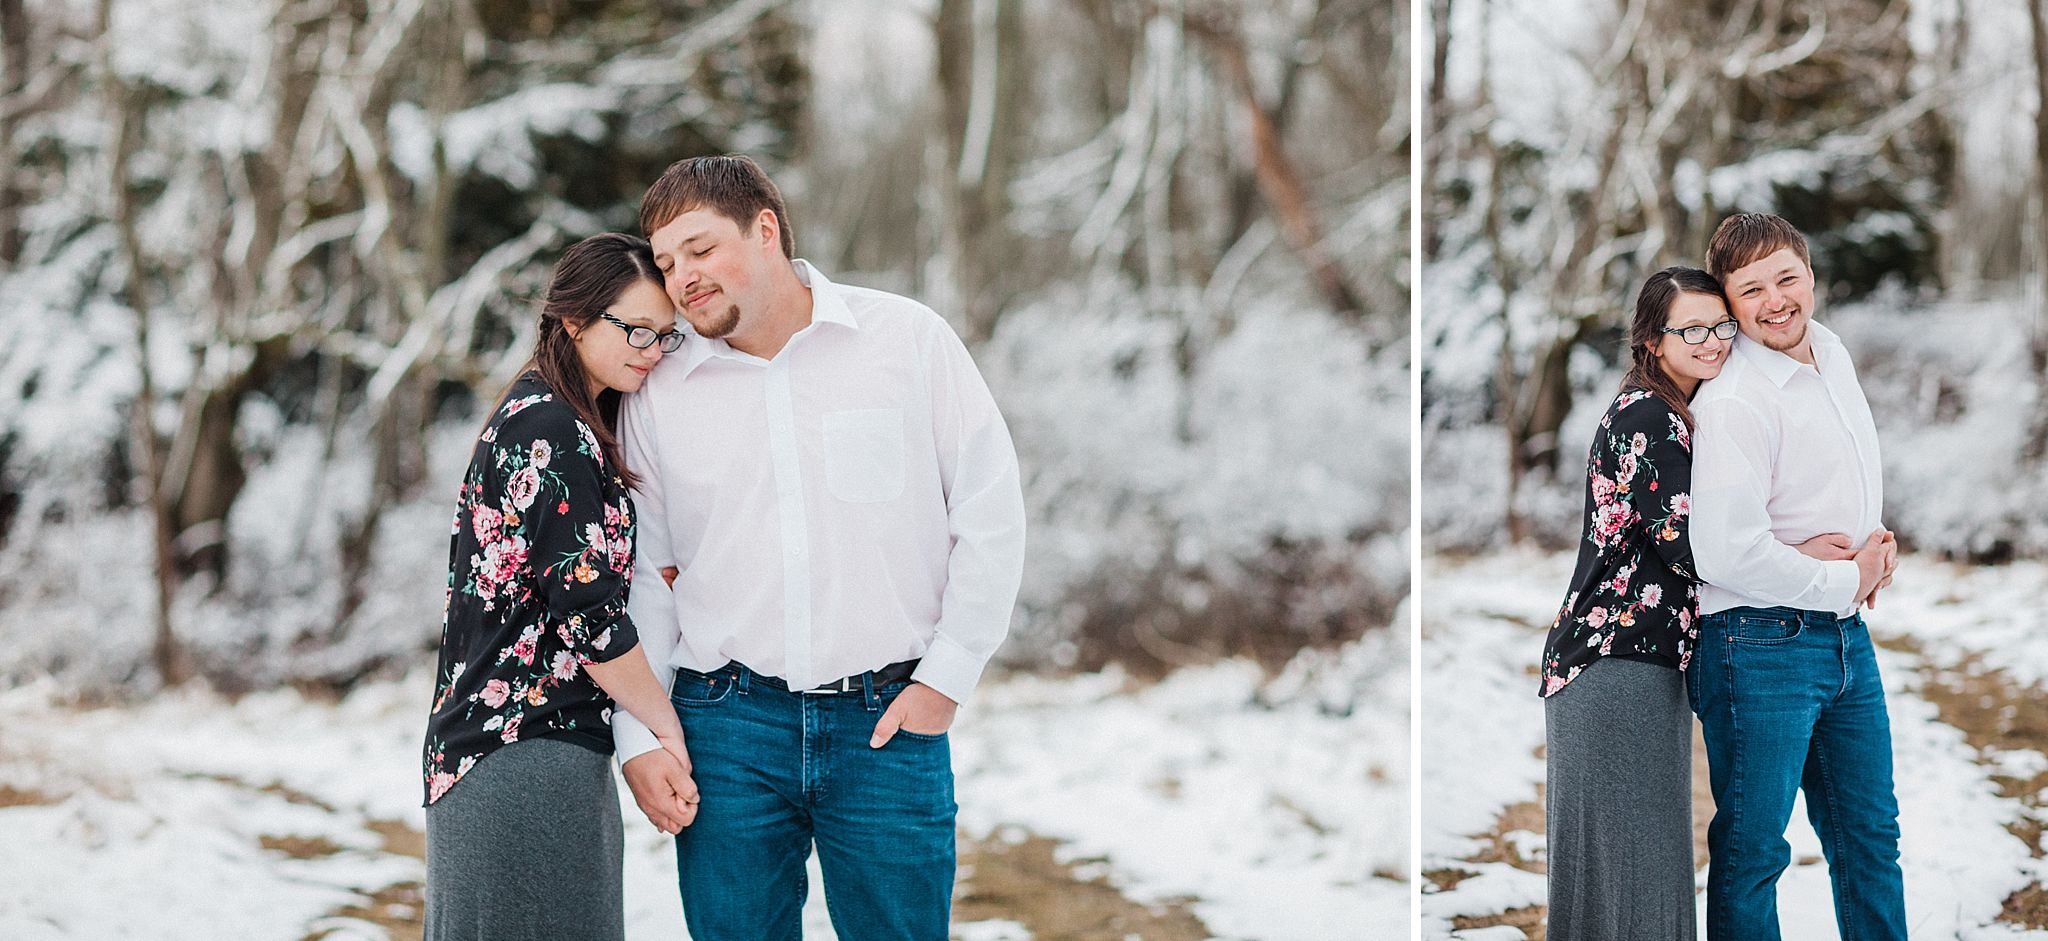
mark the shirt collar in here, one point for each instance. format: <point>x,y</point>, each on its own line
<point>828,305</point>
<point>1780,368</point>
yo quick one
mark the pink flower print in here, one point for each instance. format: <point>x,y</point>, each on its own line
<point>1607,645</point>
<point>1681,505</point>
<point>528,644</point>
<point>614,516</point>
<point>1553,684</point>
<point>439,785</point>
<point>1639,444</point>
<point>468,762</point>
<point>564,666</point>
<point>495,693</point>
<point>1628,468</point>
<point>1603,489</point>
<point>540,454</point>
<point>602,640</point>
<point>1653,594</point>
<point>486,585</point>
<point>507,558</point>
<point>521,489</point>
<point>593,536</point>
<point>1609,521</point>
<point>485,522</point>
<point>516,406</point>
<point>1595,640</point>
<point>511,733</point>
<point>1596,617</point>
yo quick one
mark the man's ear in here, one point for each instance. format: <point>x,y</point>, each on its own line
<point>770,229</point>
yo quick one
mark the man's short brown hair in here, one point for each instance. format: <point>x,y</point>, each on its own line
<point>734,186</point>
<point>1745,238</point>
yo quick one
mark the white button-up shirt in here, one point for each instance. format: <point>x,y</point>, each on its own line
<point>853,502</point>
<point>1784,452</point>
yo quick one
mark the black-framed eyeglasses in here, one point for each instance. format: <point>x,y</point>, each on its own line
<point>641,338</point>
<point>1697,333</point>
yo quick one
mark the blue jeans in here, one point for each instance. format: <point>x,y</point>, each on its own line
<point>778,771</point>
<point>1791,699</point>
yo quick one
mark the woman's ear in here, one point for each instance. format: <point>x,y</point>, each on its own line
<point>574,329</point>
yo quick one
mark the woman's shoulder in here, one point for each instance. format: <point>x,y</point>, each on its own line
<point>531,407</point>
<point>1638,410</point>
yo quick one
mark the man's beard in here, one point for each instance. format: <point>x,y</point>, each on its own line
<point>1792,343</point>
<point>721,327</point>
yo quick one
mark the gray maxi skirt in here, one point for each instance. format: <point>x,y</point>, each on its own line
<point>527,847</point>
<point>1619,805</point>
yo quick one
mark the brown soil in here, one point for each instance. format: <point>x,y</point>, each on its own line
<point>1026,883</point>
<point>1530,920</point>
<point>11,796</point>
<point>1996,712</point>
<point>299,847</point>
<point>399,908</point>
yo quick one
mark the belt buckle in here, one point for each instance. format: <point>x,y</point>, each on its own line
<point>843,684</point>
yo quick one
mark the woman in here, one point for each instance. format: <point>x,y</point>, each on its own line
<point>1619,750</point>
<point>523,830</point>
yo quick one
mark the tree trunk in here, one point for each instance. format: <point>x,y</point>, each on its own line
<point>125,112</point>
<point>1436,117</point>
<point>13,81</point>
<point>1279,182</point>
<point>982,74</point>
<point>2037,437</point>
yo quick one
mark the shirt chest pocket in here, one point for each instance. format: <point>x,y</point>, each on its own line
<point>864,454</point>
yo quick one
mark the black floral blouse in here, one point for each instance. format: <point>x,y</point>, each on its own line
<point>538,569</point>
<point>1634,592</point>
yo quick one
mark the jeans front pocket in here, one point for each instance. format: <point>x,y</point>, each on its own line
<point>1764,630</point>
<point>692,688</point>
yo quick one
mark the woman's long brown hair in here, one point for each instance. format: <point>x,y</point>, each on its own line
<point>589,278</point>
<point>1653,311</point>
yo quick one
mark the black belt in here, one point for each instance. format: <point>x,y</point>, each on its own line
<point>897,672</point>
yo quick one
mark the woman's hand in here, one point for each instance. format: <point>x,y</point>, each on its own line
<point>1827,547</point>
<point>686,788</point>
<point>1875,563</point>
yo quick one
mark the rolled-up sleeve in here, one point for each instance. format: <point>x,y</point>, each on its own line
<point>653,603</point>
<point>1733,546</point>
<point>985,519</point>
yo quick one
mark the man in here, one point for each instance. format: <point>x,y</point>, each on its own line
<point>1785,682</point>
<point>837,502</point>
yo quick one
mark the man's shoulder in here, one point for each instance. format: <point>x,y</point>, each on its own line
<point>888,309</point>
<point>1738,380</point>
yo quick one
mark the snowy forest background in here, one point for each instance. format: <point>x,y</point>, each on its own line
<point>1571,150</point>
<point>265,263</point>
<point>1173,233</point>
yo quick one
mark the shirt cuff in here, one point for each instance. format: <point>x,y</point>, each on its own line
<point>630,739</point>
<point>1838,582</point>
<point>950,669</point>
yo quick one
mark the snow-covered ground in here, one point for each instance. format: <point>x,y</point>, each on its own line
<point>1278,805</point>
<point>1483,623</point>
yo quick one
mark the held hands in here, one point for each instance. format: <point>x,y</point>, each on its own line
<point>919,709</point>
<point>1875,563</point>
<point>661,785</point>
